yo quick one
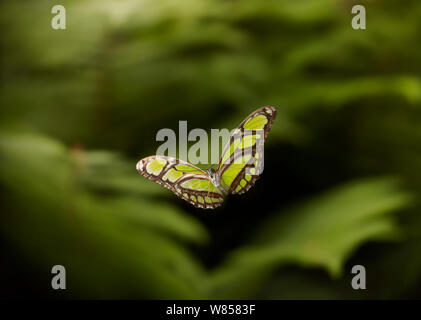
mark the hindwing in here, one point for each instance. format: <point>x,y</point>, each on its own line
<point>184,179</point>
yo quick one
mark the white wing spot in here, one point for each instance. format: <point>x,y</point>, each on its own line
<point>139,166</point>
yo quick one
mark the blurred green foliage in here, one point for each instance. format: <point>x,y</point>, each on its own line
<point>342,176</point>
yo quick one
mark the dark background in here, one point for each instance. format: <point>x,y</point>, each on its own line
<point>342,179</point>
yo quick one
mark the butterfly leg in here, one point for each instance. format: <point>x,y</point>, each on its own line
<point>209,185</point>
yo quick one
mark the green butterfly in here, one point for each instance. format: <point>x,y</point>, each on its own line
<point>237,171</point>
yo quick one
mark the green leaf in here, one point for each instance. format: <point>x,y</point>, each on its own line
<point>322,232</point>
<point>117,244</point>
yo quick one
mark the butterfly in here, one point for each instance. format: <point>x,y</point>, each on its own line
<point>238,169</point>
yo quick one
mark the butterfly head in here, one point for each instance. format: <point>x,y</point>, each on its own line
<point>211,172</point>
<point>214,176</point>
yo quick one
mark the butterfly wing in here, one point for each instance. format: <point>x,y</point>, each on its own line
<point>242,158</point>
<point>184,179</point>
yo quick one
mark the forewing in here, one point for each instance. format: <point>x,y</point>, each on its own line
<point>242,159</point>
<point>184,179</point>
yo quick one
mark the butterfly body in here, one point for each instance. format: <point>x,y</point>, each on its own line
<point>216,180</point>
<point>238,169</point>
